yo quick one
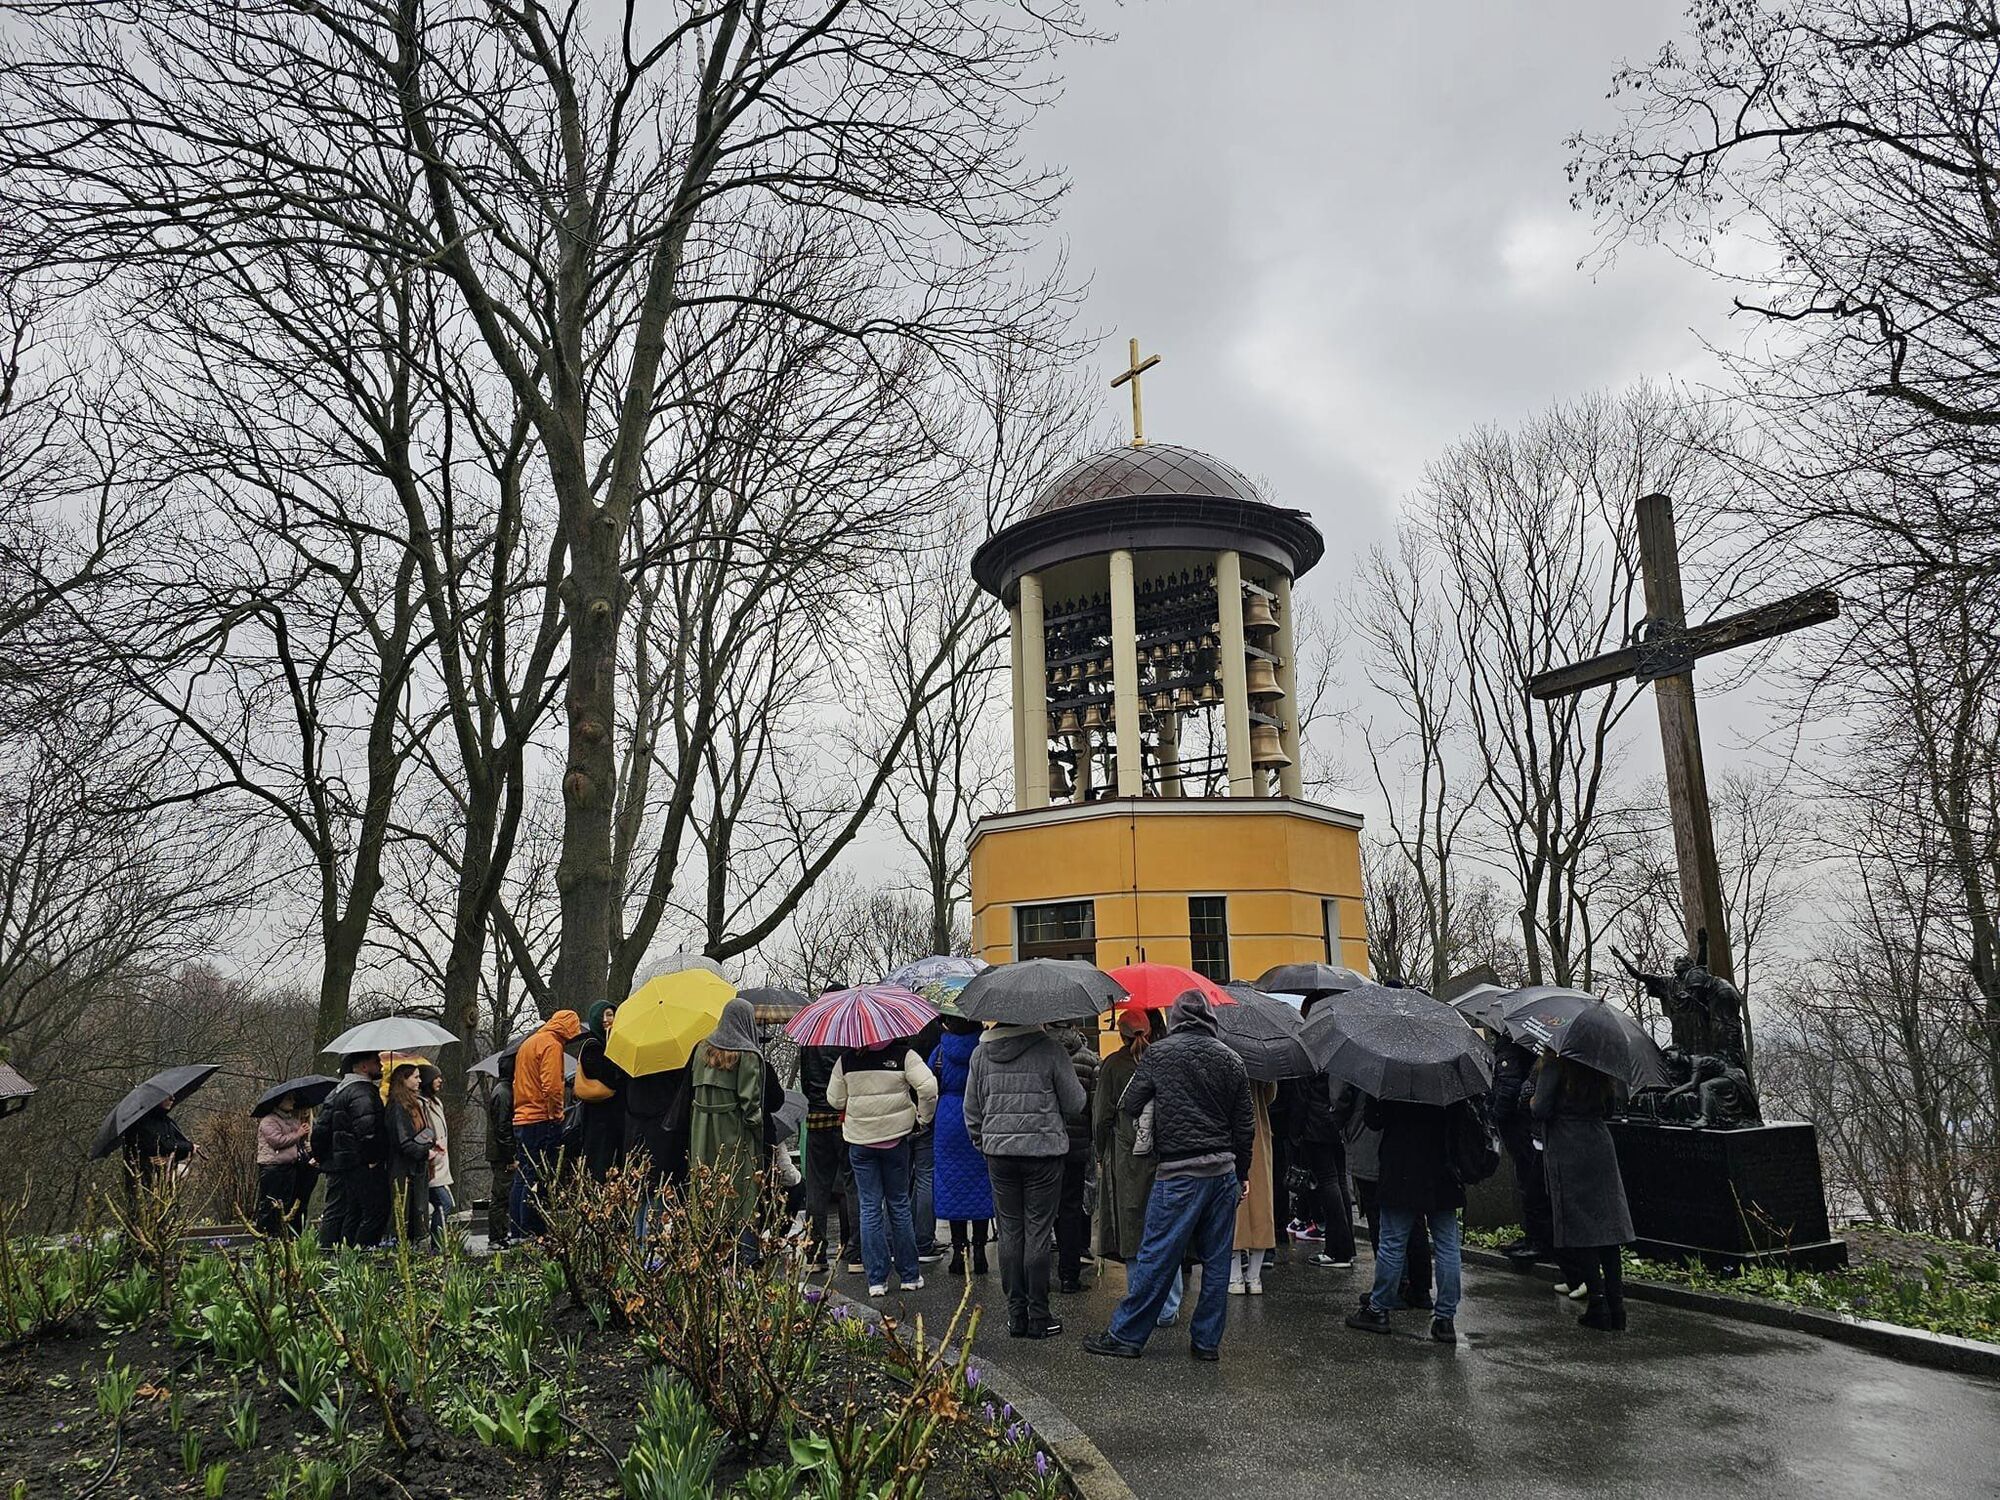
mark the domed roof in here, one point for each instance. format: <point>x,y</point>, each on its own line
<point>1156,469</point>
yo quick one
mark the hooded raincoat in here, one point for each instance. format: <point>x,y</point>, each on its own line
<point>726,1123</point>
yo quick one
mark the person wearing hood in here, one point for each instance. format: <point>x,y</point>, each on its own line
<point>285,1171</point>
<point>1079,1040</point>
<point>884,1093</point>
<point>1021,1092</point>
<point>964,1194</point>
<point>1204,1134</point>
<point>726,1110</point>
<point>500,1152</point>
<point>350,1139</point>
<point>600,1093</point>
<point>154,1147</point>
<point>538,1116</point>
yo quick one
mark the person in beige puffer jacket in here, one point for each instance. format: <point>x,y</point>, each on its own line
<point>884,1093</point>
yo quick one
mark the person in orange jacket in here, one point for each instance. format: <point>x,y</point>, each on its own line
<point>538,1115</point>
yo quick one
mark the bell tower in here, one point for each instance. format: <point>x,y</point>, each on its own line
<point>1158,791</point>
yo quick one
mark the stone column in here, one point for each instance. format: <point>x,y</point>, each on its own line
<point>1170,755</point>
<point>1034,694</point>
<point>1235,675</point>
<point>1017,706</point>
<point>1125,678</point>
<point>1291,778</point>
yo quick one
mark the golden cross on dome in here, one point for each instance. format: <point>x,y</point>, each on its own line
<point>1132,373</point>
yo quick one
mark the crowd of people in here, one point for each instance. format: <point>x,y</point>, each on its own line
<point>994,1134</point>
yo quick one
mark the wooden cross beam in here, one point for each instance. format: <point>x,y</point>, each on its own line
<point>1663,652</point>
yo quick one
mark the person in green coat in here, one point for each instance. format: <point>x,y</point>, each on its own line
<point>726,1124</point>
<point>1123,1178</point>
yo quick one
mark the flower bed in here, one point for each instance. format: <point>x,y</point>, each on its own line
<point>285,1372</point>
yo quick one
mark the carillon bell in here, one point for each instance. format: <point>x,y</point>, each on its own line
<point>1059,783</point>
<point>1184,699</point>
<point>1093,717</point>
<point>1067,725</point>
<point>1210,693</point>
<point>1257,614</point>
<point>1162,702</point>
<point>1263,679</point>
<point>1267,747</point>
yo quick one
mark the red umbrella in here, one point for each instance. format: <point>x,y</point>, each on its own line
<point>1158,986</point>
<point>865,1016</point>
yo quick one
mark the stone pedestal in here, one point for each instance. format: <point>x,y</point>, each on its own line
<point>1727,1197</point>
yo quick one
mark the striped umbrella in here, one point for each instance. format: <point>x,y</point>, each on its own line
<point>866,1016</point>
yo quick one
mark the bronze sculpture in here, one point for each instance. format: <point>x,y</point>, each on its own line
<point>1709,1059</point>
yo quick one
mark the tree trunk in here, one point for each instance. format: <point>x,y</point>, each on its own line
<point>590,780</point>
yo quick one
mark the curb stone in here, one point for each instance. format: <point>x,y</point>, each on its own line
<point>1081,1459</point>
<point>1912,1346</point>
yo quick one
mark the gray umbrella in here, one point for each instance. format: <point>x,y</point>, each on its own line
<point>771,996</point>
<point>1310,979</point>
<point>791,1112</point>
<point>311,1089</point>
<point>1410,1048</point>
<point>1039,989</point>
<point>1263,1032</point>
<point>490,1064</point>
<point>173,1083</point>
<point>1482,1003</point>
<point>390,1034</point>
<point>1539,1015</point>
<point>1596,1040</point>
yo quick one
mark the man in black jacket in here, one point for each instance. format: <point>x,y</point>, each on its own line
<point>500,1153</point>
<point>1204,1130</point>
<point>1079,1040</point>
<point>1416,1185</point>
<point>353,1151</point>
<point>1513,1064</point>
<point>829,1184</point>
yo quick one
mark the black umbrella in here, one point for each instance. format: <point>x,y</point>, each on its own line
<point>490,1064</point>
<point>174,1083</point>
<point>1410,1047</point>
<point>1037,990</point>
<point>1482,1003</point>
<point>1263,1032</point>
<point>1596,1040</point>
<point>1539,1014</point>
<point>775,997</point>
<point>1310,979</point>
<point>311,1089</point>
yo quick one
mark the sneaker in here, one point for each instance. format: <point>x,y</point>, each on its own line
<point>1369,1318</point>
<point>1207,1356</point>
<point>914,1284</point>
<point>856,1268</point>
<point>878,1291</point>
<point>1070,1288</point>
<point>1166,1320</point>
<point>1327,1263</point>
<point>1050,1328</point>
<point>1255,1288</point>
<point>1235,1288</point>
<point>1110,1348</point>
<point>1443,1331</point>
<point>930,1257</point>
<point>1575,1293</point>
<point>1311,1234</point>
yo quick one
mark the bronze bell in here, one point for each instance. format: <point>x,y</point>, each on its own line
<point>1184,699</point>
<point>1162,702</point>
<point>1059,782</point>
<point>1267,747</point>
<point>1257,614</point>
<point>1067,724</point>
<point>1263,679</point>
<point>1093,717</point>
<point>1210,692</point>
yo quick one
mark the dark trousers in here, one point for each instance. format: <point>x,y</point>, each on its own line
<point>497,1207</point>
<point>1327,1161</point>
<point>1603,1272</point>
<point>1072,1222</point>
<point>283,1192</point>
<point>923,1177</point>
<point>1026,1193</point>
<point>829,1187</point>
<point>357,1207</point>
<point>1537,1214</point>
<point>410,1206</point>
<point>1416,1258</point>
<point>540,1156</point>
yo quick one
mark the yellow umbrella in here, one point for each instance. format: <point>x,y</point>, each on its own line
<point>661,1023</point>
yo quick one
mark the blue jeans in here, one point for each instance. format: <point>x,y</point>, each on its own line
<point>537,1148</point>
<point>1182,1212</point>
<point>923,1169</point>
<point>1394,1243</point>
<point>882,1182</point>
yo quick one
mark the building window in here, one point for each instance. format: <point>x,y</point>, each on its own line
<point>1331,918</point>
<point>1060,929</point>
<point>1208,936</point>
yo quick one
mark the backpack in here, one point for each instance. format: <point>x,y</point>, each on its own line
<point>1472,1150</point>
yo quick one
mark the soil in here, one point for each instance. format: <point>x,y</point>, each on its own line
<point>53,1438</point>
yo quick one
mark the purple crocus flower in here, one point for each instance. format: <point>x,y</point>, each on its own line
<point>815,1294</point>
<point>972,1377</point>
<point>1041,1464</point>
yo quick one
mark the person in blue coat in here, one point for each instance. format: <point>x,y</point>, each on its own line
<point>963,1192</point>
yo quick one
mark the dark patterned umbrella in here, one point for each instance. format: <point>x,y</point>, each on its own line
<point>173,1083</point>
<point>1403,1045</point>
<point>1539,1014</point>
<point>1310,979</point>
<point>1037,990</point>
<point>1265,1033</point>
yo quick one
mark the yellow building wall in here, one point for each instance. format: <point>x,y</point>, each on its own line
<point>1140,862</point>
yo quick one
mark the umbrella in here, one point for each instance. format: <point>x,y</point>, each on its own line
<point>866,1016</point>
<point>1409,1047</point>
<point>312,1088</point>
<point>661,1023</point>
<point>1310,979</point>
<point>1158,986</point>
<point>1039,989</point>
<point>1264,1032</point>
<point>490,1064</point>
<point>790,1113</point>
<point>1481,1003</point>
<point>1539,1014</point>
<point>15,1091</point>
<point>390,1034</point>
<point>1596,1040</point>
<point>914,975</point>
<point>775,997</point>
<point>944,993</point>
<point>174,1083</point>
<point>678,963</point>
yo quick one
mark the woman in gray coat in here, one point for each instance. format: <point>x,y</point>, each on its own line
<point>1592,1219</point>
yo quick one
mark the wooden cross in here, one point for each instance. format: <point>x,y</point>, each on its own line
<point>1132,373</point>
<point>1663,652</point>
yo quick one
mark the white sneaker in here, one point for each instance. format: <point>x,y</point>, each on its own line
<point>1256,1288</point>
<point>914,1286</point>
<point>878,1291</point>
<point>1235,1288</point>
